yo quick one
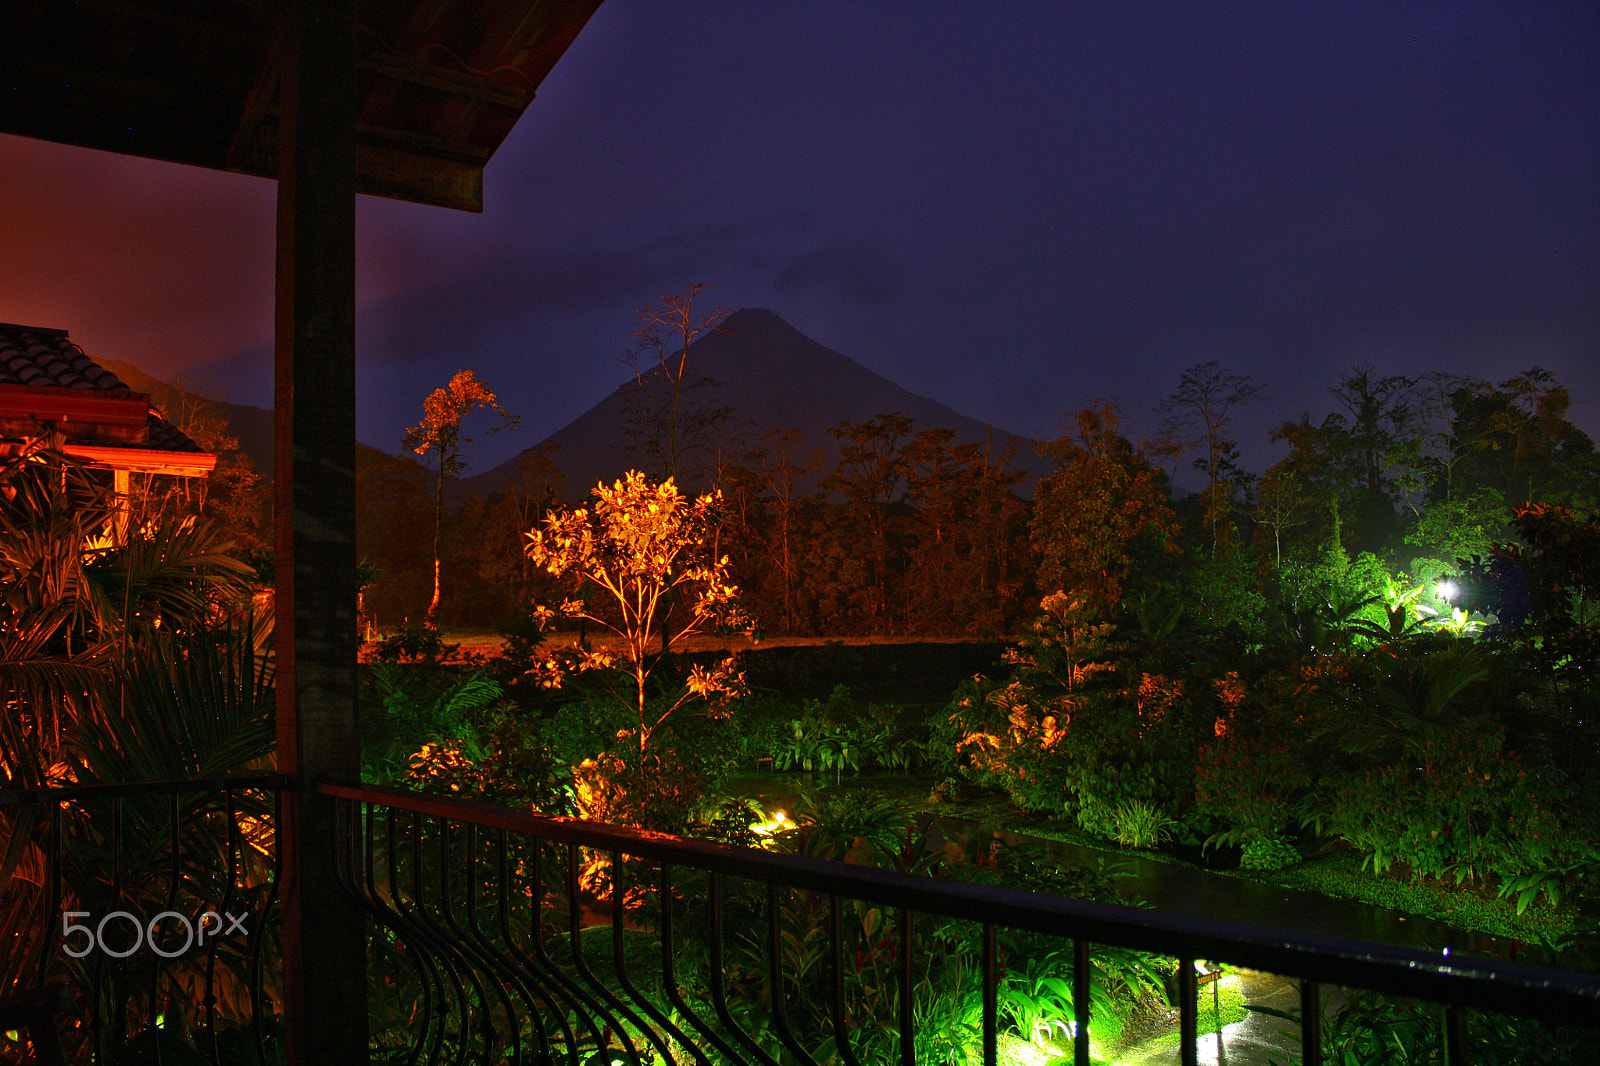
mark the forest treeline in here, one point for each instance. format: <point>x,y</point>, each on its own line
<point>904,531</point>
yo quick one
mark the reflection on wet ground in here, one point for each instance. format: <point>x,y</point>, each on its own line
<point>1190,890</point>
<point>1258,1040</point>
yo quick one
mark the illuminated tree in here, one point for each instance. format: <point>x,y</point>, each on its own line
<point>638,544</point>
<point>1099,515</point>
<point>440,432</point>
<point>870,475</point>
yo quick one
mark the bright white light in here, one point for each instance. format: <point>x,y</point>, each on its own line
<point>1447,590</point>
<point>779,823</point>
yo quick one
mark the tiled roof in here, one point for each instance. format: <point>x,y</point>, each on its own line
<point>30,356</point>
<point>45,357</point>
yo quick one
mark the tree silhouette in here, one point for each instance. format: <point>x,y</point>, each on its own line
<point>1197,410</point>
<point>667,422</point>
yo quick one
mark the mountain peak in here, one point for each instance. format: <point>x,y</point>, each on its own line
<point>755,318</point>
<point>772,378</point>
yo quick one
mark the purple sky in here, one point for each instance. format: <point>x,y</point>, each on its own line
<point>1014,209</point>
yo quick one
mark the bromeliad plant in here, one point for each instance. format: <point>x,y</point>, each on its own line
<point>645,553</point>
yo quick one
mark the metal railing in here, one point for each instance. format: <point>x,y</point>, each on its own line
<point>153,906</point>
<point>503,936</point>
<point>506,937</point>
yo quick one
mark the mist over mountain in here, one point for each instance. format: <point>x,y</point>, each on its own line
<point>251,426</point>
<point>770,378</point>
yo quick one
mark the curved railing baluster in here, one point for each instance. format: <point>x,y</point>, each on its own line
<point>429,938</point>
<point>500,958</point>
<point>836,999</point>
<point>231,827</point>
<point>908,1033</point>
<point>669,973</point>
<point>780,1014</point>
<point>440,980</point>
<point>480,968</point>
<point>714,893</point>
<point>991,989</point>
<point>524,962</point>
<point>371,898</point>
<point>669,1031</point>
<point>1082,995</point>
<point>258,999</point>
<point>589,1013</point>
<point>363,889</point>
<point>437,980</point>
<point>174,874</point>
<point>575,939</point>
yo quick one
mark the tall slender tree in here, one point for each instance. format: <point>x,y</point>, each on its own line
<point>1198,413</point>
<point>671,417</point>
<point>440,433</point>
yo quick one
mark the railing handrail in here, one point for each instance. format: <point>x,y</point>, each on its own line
<point>19,797</point>
<point>1562,996</point>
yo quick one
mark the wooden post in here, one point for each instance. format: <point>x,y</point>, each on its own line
<point>324,950</point>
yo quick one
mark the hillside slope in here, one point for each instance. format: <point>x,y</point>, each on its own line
<point>773,378</point>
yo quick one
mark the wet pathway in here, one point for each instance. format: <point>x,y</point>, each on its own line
<point>1190,890</point>
<point>1258,1040</point>
<point>1214,894</point>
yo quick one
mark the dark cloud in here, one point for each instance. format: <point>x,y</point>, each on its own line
<point>862,272</point>
<point>1014,212</point>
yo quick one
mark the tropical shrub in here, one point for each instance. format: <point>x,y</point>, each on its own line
<point>1472,814</point>
<point>499,760</point>
<point>1256,785</point>
<point>1268,853</point>
<point>417,704</point>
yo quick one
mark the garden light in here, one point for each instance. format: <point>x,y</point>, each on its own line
<point>780,822</point>
<point>1447,590</point>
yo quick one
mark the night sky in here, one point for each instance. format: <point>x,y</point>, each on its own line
<point>1012,208</point>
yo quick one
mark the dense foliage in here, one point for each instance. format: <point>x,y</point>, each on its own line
<point>131,650</point>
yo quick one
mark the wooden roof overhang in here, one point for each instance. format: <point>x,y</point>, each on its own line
<point>110,430</point>
<point>442,82</point>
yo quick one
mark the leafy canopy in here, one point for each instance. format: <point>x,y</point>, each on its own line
<point>644,554</point>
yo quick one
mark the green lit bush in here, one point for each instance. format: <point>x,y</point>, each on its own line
<point>1268,853</point>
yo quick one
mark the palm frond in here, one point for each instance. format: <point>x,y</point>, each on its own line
<point>183,707</point>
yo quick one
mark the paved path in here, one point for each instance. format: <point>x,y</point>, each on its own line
<point>1257,1041</point>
